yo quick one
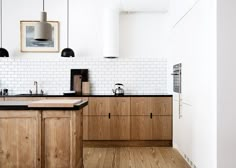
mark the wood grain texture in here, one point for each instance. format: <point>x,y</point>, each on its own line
<point>141,128</point>
<point>160,105</point>
<point>154,105</point>
<point>125,157</point>
<point>119,106</point>
<point>162,127</point>
<point>19,139</point>
<point>99,128</point>
<point>127,143</point>
<point>24,98</point>
<point>120,128</point>
<point>85,109</point>
<point>98,106</point>
<point>54,103</point>
<point>62,139</point>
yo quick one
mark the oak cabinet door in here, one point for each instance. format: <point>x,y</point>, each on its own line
<point>99,128</point>
<point>141,128</point>
<point>98,106</point>
<point>20,139</point>
<point>56,138</point>
<point>119,106</point>
<point>140,106</point>
<point>120,127</point>
<point>160,105</point>
<point>162,128</point>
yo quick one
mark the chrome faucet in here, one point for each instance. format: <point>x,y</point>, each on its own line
<point>36,87</point>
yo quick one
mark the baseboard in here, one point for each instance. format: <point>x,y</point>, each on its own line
<point>166,143</point>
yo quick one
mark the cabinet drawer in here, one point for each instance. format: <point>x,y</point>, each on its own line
<point>105,128</point>
<point>140,106</point>
<point>162,128</point>
<point>160,105</point>
<point>141,128</point>
<point>98,128</point>
<point>98,106</point>
<point>114,106</point>
<point>151,105</point>
<point>120,127</point>
<point>119,106</point>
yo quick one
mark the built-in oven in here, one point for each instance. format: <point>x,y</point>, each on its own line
<point>177,78</point>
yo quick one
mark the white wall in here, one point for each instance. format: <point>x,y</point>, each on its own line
<point>194,45</point>
<point>226,83</point>
<point>142,41</point>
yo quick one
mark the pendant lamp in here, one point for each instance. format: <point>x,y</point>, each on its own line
<point>43,30</point>
<point>3,51</point>
<point>67,52</point>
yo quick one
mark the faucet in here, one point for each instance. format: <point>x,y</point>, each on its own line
<point>36,86</point>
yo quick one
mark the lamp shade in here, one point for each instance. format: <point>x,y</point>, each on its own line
<point>4,52</point>
<point>67,52</point>
<point>43,30</point>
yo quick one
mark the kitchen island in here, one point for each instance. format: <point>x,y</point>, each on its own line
<point>46,133</point>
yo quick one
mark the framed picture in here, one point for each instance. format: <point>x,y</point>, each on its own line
<point>28,44</point>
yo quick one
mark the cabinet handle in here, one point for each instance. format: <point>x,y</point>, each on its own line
<point>109,115</point>
<point>150,115</point>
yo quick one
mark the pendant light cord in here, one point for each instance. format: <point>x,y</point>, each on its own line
<point>68,23</point>
<point>1,23</point>
<point>43,5</point>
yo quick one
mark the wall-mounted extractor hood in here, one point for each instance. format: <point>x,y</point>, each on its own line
<point>111,19</point>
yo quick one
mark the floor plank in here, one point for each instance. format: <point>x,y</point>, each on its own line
<point>133,157</point>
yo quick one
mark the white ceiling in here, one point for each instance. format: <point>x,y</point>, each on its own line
<point>145,5</point>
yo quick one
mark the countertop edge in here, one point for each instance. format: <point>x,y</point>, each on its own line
<point>25,107</point>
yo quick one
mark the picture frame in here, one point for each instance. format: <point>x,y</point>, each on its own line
<point>28,44</point>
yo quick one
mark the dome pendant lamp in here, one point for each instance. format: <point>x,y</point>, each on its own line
<point>43,30</point>
<point>3,51</point>
<point>67,52</point>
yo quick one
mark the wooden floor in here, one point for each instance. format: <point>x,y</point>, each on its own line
<point>132,157</point>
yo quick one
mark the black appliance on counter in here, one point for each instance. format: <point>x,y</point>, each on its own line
<point>177,71</point>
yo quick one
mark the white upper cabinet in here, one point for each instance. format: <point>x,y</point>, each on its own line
<point>179,8</point>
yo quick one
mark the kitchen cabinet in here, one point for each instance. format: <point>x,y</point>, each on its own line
<point>41,138</point>
<point>105,128</point>
<point>151,105</point>
<point>19,139</point>
<point>151,118</point>
<point>98,106</point>
<point>147,128</point>
<point>61,141</point>
<point>141,128</point>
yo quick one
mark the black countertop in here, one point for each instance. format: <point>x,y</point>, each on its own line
<point>23,105</point>
<point>95,95</point>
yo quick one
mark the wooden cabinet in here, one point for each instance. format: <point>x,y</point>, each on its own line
<point>35,139</point>
<point>108,119</point>
<point>20,139</point>
<point>98,106</point>
<point>105,128</point>
<point>151,118</point>
<point>61,140</point>
<point>141,128</point>
<point>151,105</point>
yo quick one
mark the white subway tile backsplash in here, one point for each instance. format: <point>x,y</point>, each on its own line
<point>139,75</point>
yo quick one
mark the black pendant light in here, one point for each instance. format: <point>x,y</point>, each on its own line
<point>3,51</point>
<point>67,52</point>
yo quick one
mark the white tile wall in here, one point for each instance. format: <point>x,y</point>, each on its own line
<point>142,76</point>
